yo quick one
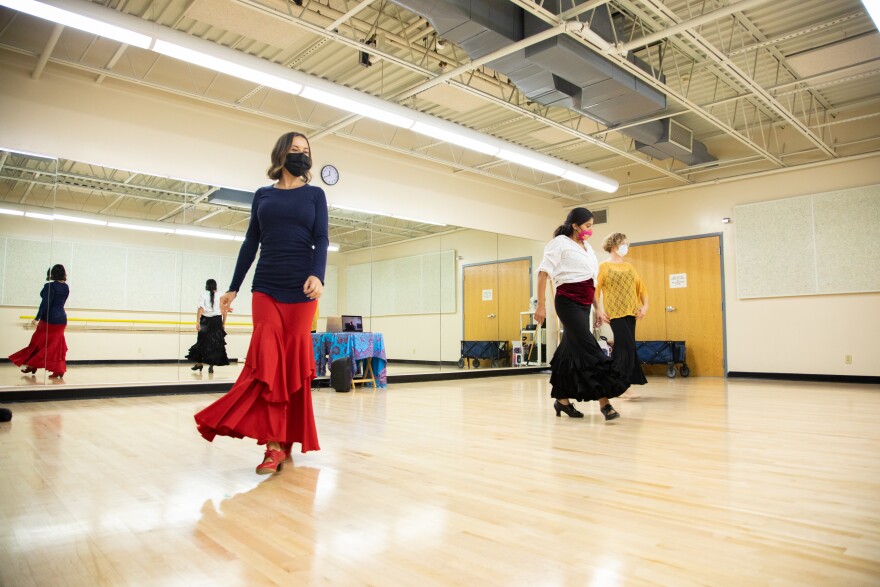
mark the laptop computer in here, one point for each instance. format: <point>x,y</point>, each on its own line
<point>334,324</point>
<point>352,323</point>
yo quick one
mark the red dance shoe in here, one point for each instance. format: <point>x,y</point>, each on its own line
<point>272,462</point>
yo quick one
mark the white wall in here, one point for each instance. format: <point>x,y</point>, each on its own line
<point>807,334</point>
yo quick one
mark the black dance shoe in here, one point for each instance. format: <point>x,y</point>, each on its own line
<point>5,415</point>
<point>609,412</point>
<point>568,409</point>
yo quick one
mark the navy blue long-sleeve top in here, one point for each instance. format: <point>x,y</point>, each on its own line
<point>290,228</point>
<point>54,296</point>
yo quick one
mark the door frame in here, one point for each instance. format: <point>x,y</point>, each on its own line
<point>531,285</point>
<point>720,236</point>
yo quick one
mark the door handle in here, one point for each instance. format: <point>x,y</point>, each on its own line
<point>670,309</point>
<point>490,316</point>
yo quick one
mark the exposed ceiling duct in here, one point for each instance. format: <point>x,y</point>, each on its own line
<point>562,72</point>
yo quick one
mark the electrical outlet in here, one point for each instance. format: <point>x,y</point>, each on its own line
<point>848,359</point>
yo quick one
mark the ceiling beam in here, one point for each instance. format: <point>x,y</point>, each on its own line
<point>739,76</point>
<point>624,48</point>
<point>47,51</point>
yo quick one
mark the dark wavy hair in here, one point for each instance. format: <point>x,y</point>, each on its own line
<point>211,286</point>
<point>56,273</point>
<point>279,155</point>
<point>576,216</point>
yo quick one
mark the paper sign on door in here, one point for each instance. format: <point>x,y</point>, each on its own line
<point>487,295</point>
<point>678,280</point>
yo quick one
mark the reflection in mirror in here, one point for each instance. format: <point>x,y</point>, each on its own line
<point>27,200</point>
<point>139,249</point>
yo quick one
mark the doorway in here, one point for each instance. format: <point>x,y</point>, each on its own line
<point>494,295</point>
<point>685,289</point>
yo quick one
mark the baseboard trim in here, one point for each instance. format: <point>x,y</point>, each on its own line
<point>59,392</point>
<point>864,379</point>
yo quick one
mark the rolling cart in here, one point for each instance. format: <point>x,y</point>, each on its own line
<point>474,350</point>
<point>664,352</point>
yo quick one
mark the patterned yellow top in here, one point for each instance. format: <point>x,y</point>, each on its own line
<point>622,289</point>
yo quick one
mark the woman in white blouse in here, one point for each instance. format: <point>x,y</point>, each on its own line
<point>210,345</point>
<point>580,370</point>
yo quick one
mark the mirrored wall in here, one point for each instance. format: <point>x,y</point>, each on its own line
<point>138,250</point>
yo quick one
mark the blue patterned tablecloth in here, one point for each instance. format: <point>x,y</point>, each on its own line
<point>329,346</point>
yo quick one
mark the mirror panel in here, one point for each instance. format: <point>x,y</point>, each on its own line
<point>139,249</point>
<point>27,202</point>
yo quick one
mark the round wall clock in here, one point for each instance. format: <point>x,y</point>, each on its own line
<point>330,174</point>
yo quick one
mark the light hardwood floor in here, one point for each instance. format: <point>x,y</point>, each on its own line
<point>703,482</point>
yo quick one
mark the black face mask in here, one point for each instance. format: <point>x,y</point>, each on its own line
<point>297,164</point>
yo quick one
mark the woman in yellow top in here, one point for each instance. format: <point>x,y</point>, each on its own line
<point>622,299</point>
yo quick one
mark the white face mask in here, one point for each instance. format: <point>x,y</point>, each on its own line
<point>622,250</point>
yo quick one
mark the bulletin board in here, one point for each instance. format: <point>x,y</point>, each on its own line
<point>809,245</point>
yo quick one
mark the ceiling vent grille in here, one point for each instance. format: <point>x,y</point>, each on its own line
<point>681,136</point>
<point>600,216</point>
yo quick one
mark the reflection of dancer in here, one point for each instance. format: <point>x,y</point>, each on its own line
<point>47,348</point>
<point>580,370</point>
<point>210,345</point>
<point>622,298</point>
<point>272,399</point>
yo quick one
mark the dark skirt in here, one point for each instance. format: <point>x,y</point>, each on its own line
<point>580,370</point>
<point>624,357</point>
<point>210,347</point>
<point>272,399</point>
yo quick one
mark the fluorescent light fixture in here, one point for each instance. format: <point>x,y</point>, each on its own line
<point>417,220</point>
<point>531,162</point>
<point>216,235</point>
<point>455,138</point>
<point>39,216</point>
<point>238,238</point>
<point>141,227</point>
<point>361,210</point>
<point>228,67</point>
<point>873,8</point>
<point>591,181</point>
<point>356,107</point>
<point>79,219</point>
<point>332,247</point>
<point>9,212</point>
<point>77,21</point>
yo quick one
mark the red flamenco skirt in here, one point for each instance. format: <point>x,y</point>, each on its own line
<point>47,350</point>
<point>272,399</point>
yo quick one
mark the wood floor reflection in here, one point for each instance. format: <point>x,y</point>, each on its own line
<point>473,482</point>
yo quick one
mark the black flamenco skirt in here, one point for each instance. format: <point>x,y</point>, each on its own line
<point>210,347</point>
<point>580,370</point>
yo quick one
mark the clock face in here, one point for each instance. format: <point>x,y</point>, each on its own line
<point>329,174</point>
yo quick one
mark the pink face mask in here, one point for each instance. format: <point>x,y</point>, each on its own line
<point>584,234</point>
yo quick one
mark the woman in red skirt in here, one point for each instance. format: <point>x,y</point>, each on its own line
<point>271,401</point>
<point>48,349</point>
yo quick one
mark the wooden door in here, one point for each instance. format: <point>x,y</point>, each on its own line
<point>689,309</point>
<point>648,262</point>
<point>481,302</point>
<point>693,302</point>
<point>514,290</point>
